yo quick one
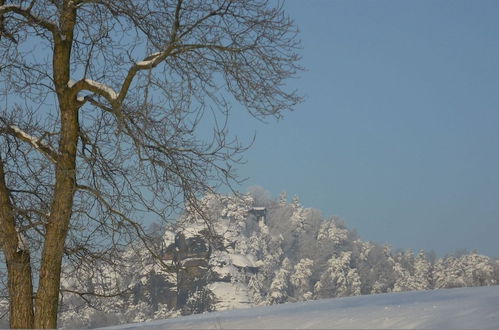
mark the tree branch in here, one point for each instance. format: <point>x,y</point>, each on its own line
<point>136,226</point>
<point>34,141</point>
<point>26,13</point>
<point>96,87</point>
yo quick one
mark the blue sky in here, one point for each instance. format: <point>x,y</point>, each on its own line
<point>399,131</point>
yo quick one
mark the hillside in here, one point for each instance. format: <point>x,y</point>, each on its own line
<point>254,251</point>
<point>461,308</point>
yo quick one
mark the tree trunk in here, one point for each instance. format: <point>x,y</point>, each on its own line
<point>20,292</point>
<point>18,263</point>
<point>47,297</point>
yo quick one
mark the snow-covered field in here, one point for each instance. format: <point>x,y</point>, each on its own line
<point>461,308</point>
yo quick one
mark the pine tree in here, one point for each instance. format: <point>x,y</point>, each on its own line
<point>339,279</point>
<point>403,270</point>
<point>300,279</point>
<point>279,288</point>
<point>403,279</point>
<point>478,270</point>
<point>449,273</point>
<point>334,231</point>
<point>283,198</point>
<point>383,270</point>
<point>422,272</point>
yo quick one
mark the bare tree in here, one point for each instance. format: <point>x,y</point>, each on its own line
<point>101,105</point>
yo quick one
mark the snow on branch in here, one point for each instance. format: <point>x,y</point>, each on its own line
<point>148,63</point>
<point>15,131</point>
<point>149,60</point>
<point>95,87</point>
<point>22,242</point>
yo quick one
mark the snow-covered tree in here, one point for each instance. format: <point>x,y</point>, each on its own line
<point>339,279</point>
<point>422,277</point>
<point>381,273</point>
<point>298,218</point>
<point>283,198</point>
<point>254,264</point>
<point>449,273</point>
<point>333,231</point>
<point>478,270</point>
<point>403,269</point>
<point>403,279</point>
<point>301,279</point>
<point>279,287</point>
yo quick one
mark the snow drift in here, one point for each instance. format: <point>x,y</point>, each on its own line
<point>459,308</point>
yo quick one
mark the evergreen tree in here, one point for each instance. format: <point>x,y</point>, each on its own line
<point>449,273</point>
<point>334,231</point>
<point>478,270</point>
<point>422,272</point>
<point>281,264</point>
<point>279,287</point>
<point>403,270</point>
<point>339,279</point>
<point>382,272</point>
<point>283,198</point>
<point>301,278</point>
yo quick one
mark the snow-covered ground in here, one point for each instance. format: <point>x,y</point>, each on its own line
<point>461,308</point>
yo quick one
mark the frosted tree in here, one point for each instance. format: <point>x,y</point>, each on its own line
<point>403,270</point>
<point>363,254</point>
<point>301,278</point>
<point>382,273</point>
<point>283,198</point>
<point>257,289</point>
<point>295,202</point>
<point>422,277</point>
<point>355,284</point>
<point>299,216</point>
<point>468,270</point>
<point>403,278</point>
<point>339,264</point>
<point>339,279</point>
<point>449,273</point>
<point>478,270</point>
<point>333,231</point>
<point>279,287</point>
<point>139,312</point>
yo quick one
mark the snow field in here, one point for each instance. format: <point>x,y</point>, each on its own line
<point>459,308</point>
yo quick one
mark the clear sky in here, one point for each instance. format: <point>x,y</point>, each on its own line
<point>399,132</point>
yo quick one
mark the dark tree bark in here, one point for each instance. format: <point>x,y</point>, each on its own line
<point>18,262</point>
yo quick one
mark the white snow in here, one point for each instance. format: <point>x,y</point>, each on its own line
<point>168,238</point>
<point>22,242</point>
<point>35,142</point>
<point>104,88</point>
<point>243,261</point>
<point>149,60</point>
<point>461,308</point>
<point>145,63</point>
<point>230,295</point>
